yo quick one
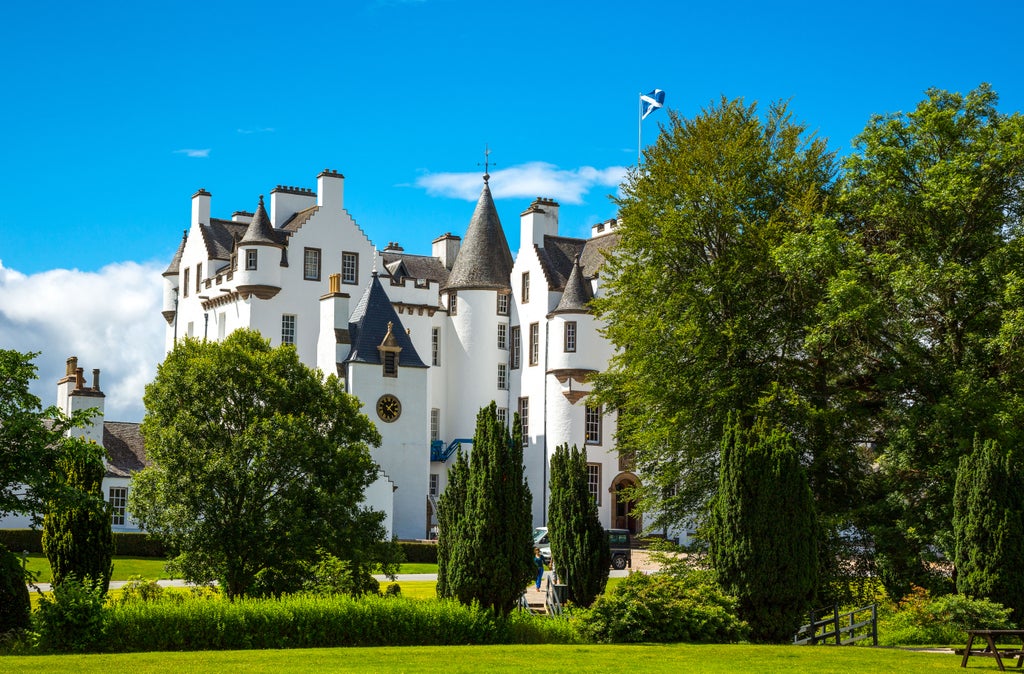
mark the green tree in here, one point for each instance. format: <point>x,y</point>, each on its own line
<point>489,558</point>
<point>764,532</point>
<point>451,510</point>
<point>933,203</point>
<point>711,298</point>
<point>578,542</point>
<point>988,523</point>
<point>15,605</point>
<point>77,537</point>
<point>30,439</point>
<point>257,463</point>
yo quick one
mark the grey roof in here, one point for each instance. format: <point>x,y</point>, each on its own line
<point>260,230</point>
<point>415,266</point>
<point>484,260</point>
<point>295,223</point>
<point>592,256</point>
<point>220,237</point>
<point>577,293</point>
<point>559,253</point>
<point>368,326</point>
<point>175,266</point>
<point>125,452</point>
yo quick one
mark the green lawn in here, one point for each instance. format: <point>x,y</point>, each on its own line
<point>124,568</point>
<point>614,659</point>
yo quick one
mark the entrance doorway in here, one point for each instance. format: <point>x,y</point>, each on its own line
<point>624,515</point>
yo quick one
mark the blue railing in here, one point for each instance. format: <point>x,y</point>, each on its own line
<point>438,452</point>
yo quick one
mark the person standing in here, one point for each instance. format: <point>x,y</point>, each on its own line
<point>539,562</point>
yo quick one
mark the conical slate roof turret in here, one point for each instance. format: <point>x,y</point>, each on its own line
<point>260,229</point>
<point>174,267</point>
<point>577,294</point>
<point>484,261</point>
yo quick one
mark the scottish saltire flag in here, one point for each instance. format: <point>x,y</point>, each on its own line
<point>651,102</point>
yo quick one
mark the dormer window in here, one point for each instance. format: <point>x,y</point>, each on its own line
<point>389,351</point>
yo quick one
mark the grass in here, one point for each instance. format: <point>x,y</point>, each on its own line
<point>124,568</point>
<point>671,658</point>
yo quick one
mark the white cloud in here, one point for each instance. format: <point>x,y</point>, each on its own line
<point>189,152</point>
<point>533,179</point>
<point>246,132</point>
<point>110,319</point>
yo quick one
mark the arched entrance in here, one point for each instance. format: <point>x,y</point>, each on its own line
<point>623,513</point>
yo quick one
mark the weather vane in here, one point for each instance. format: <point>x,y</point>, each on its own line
<point>487,163</point>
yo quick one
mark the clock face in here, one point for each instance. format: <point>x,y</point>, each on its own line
<point>388,408</point>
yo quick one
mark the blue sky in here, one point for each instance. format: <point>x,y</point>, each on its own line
<point>116,113</point>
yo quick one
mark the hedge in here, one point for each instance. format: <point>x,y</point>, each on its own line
<point>417,552</point>
<point>125,544</point>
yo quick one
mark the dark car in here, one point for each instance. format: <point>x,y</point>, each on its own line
<point>620,547</point>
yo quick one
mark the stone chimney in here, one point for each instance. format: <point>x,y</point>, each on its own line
<point>446,248</point>
<point>201,208</point>
<point>538,221</point>
<point>330,190</point>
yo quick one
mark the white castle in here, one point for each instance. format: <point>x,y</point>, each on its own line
<point>423,341</point>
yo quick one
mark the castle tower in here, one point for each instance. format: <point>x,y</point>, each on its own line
<point>259,258</point>
<point>478,298</point>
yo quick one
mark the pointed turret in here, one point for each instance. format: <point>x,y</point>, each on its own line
<point>484,261</point>
<point>170,304</point>
<point>374,323</point>
<point>577,295</point>
<point>259,258</point>
<point>259,230</point>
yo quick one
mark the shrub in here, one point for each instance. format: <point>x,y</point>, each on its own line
<point>139,589</point>
<point>662,608</point>
<point>72,621</point>
<point>129,544</point>
<point>15,606</point>
<point>17,540</point>
<point>921,620</point>
<point>419,553</point>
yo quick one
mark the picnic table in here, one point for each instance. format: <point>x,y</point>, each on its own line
<point>990,650</point>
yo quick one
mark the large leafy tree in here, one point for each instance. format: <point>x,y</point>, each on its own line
<point>257,464</point>
<point>764,531</point>
<point>711,298</point>
<point>933,205</point>
<point>77,537</point>
<point>988,524</point>
<point>30,439</point>
<point>487,557</point>
<point>578,542</point>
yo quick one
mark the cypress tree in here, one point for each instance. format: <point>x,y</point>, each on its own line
<point>988,516</point>
<point>451,511</point>
<point>489,558</point>
<point>579,546</point>
<point>15,606</point>
<point>764,534</point>
<point>77,537</point>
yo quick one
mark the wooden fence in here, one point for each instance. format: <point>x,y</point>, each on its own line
<point>829,625</point>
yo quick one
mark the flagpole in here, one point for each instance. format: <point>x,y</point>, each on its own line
<point>639,126</point>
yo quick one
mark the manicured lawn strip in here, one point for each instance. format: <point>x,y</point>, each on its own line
<point>124,568</point>
<point>612,659</point>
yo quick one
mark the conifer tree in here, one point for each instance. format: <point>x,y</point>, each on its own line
<point>764,534</point>
<point>988,525</point>
<point>579,546</point>
<point>489,559</point>
<point>15,605</point>
<point>77,538</point>
<point>451,510</point>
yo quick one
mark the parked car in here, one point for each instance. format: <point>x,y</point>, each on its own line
<point>619,544</point>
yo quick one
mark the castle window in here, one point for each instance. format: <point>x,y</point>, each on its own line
<point>222,325</point>
<point>199,277</point>
<point>515,350</point>
<point>311,264</point>
<point>502,413</point>
<point>435,424</point>
<point>502,304</point>
<point>184,285</point>
<point>390,363</point>
<point>288,329</point>
<point>350,268</point>
<point>435,481</point>
<point>524,419</point>
<point>534,343</point>
<point>435,346</point>
<point>525,294</point>
<point>118,503</point>
<point>592,424</point>
<point>453,303</point>
<point>594,481</point>
<point>570,336</point>
<point>502,376</point>
<point>251,258</point>
<point>502,336</point>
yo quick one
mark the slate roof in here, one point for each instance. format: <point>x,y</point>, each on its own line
<point>295,223</point>
<point>220,237</point>
<point>400,265</point>
<point>125,452</point>
<point>368,326</point>
<point>259,229</point>
<point>577,293</point>
<point>484,260</point>
<point>560,252</point>
<point>175,266</point>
